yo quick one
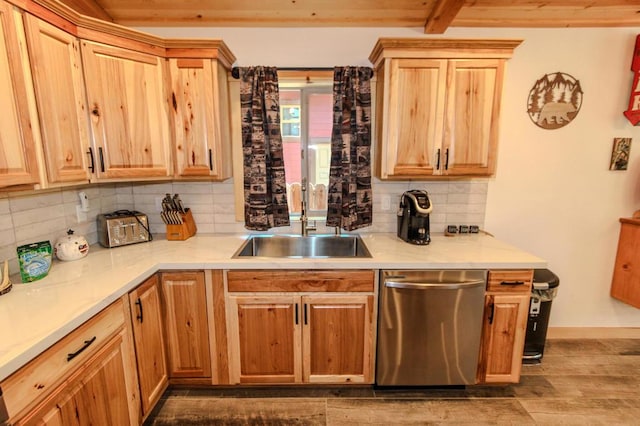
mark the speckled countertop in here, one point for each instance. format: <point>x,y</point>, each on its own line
<point>36,315</point>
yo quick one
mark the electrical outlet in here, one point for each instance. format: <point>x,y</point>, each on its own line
<point>386,203</point>
<point>451,230</point>
<point>81,214</point>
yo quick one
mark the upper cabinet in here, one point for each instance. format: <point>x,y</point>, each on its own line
<point>61,101</point>
<point>438,105</point>
<point>88,101</point>
<point>128,112</point>
<point>199,104</point>
<point>17,146</point>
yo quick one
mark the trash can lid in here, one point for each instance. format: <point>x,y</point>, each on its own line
<point>545,276</point>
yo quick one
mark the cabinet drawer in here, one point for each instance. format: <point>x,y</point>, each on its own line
<point>33,382</point>
<point>295,280</point>
<point>510,281</point>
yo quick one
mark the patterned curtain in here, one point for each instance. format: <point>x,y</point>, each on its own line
<point>350,196</point>
<point>265,190</point>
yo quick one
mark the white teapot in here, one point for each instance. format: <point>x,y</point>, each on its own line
<point>71,247</point>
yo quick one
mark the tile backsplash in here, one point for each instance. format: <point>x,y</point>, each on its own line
<point>47,215</point>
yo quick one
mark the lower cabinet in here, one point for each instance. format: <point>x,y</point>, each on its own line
<point>337,339</point>
<point>149,342</point>
<point>504,326</point>
<point>88,377</point>
<point>97,394</point>
<point>625,284</point>
<point>184,310</point>
<point>265,339</point>
<point>299,337</point>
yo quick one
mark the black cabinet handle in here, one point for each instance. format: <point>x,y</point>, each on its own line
<point>492,311</point>
<point>296,314</point>
<point>305,314</point>
<point>210,160</point>
<point>139,303</point>
<point>101,159</point>
<point>87,343</point>
<point>446,159</point>
<point>512,283</point>
<point>438,160</point>
<point>92,167</point>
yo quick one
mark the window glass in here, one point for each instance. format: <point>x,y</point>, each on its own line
<point>306,117</point>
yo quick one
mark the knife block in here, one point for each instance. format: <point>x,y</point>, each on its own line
<point>183,231</point>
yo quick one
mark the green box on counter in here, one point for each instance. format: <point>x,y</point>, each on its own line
<point>34,260</point>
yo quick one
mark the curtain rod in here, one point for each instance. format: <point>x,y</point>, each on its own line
<point>235,71</point>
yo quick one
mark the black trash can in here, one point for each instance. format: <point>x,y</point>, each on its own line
<point>544,290</point>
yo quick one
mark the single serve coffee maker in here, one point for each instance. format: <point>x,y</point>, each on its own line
<point>413,217</point>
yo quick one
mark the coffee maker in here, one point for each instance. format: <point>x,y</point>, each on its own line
<point>413,217</point>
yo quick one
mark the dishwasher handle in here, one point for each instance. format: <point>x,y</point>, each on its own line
<point>433,285</point>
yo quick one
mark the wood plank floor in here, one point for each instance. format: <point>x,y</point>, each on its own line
<point>579,382</point>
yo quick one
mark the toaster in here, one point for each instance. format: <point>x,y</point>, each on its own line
<point>123,227</point>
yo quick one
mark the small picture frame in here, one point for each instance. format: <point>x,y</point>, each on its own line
<point>620,154</point>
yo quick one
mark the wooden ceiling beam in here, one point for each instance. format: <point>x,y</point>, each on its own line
<point>442,14</point>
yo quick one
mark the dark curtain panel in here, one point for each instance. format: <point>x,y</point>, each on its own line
<point>265,190</point>
<point>350,198</point>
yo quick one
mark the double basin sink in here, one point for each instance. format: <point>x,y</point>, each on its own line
<point>297,246</point>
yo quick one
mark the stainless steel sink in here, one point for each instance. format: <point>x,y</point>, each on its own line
<point>297,246</point>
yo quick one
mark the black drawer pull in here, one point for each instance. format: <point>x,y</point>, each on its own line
<point>101,159</point>
<point>492,312</point>
<point>305,314</point>
<point>512,283</point>
<point>296,314</point>
<point>446,161</point>
<point>87,343</point>
<point>139,317</point>
<point>92,167</point>
<point>211,160</point>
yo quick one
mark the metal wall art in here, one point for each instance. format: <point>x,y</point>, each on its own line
<point>554,101</point>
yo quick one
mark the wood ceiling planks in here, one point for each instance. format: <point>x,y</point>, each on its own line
<point>435,16</point>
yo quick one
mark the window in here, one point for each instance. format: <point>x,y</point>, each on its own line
<point>306,118</point>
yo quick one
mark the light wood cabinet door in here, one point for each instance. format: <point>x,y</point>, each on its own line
<point>200,112</point>
<point>504,329</point>
<point>98,393</point>
<point>410,117</point>
<point>149,342</point>
<point>185,321</point>
<point>337,339</point>
<point>17,146</point>
<point>470,137</point>
<point>128,112</point>
<point>265,339</point>
<point>61,101</point>
<point>100,397</point>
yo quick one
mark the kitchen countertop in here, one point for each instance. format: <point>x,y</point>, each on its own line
<point>36,315</point>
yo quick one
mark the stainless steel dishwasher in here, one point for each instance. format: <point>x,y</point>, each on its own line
<point>429,327</point>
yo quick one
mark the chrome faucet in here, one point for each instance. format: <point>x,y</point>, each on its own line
<point>304,220</point>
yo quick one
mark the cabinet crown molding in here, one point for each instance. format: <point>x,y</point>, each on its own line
<point>442,48</point>
<point>93,29</point>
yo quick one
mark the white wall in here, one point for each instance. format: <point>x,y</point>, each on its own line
<point>553,194</point>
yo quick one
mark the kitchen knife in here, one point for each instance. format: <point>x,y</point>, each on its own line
<point>178,202</point>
